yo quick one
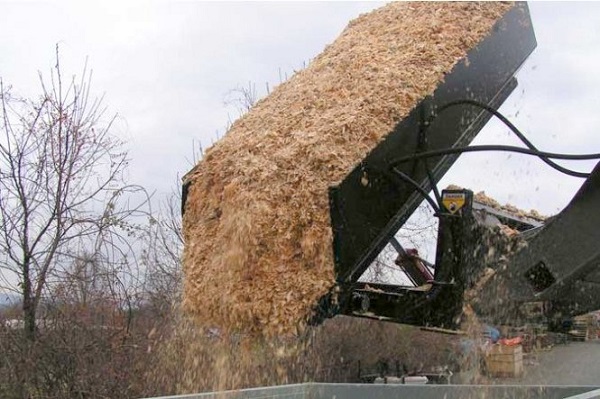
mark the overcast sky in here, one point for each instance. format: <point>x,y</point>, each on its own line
<point>166,68</point>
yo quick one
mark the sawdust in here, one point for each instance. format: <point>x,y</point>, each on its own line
<point>188,359</point>
<point>258,251</point>
<point>491,251</point>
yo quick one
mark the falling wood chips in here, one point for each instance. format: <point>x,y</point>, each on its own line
<point>258,251</point>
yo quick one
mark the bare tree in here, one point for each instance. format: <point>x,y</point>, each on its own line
<point>161,256</point>
<point>242,98</point>
<point>62,185</point>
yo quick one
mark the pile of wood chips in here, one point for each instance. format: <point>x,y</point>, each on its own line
<point>482,198</point>
<point>258,251</point>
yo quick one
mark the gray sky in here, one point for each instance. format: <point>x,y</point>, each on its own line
<point>166,68</point>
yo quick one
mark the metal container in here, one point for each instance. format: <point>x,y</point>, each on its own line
<point>370,391</point>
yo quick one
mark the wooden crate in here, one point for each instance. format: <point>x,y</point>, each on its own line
<point>505,361</point>
<point>585,327</point>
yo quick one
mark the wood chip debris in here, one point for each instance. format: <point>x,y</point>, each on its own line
<point>258,251</point>
<point>482,198</point>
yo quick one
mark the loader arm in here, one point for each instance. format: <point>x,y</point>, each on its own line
<point>560,264</point>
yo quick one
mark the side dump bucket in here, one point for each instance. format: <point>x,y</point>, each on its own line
<point>260,203</point>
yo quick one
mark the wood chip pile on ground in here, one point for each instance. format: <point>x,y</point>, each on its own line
<point>258,251</point>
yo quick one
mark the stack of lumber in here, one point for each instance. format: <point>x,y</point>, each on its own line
<point>258,242</point>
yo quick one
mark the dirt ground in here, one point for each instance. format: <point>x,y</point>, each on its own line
<point>576,363</point>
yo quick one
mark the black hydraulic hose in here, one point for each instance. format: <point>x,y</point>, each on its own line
<point>418,187</point>
<point>425,155</point>
<point>424,146</point>
<point>493,147</point>
<point>512,127</point>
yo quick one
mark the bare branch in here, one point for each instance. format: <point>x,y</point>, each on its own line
<point>62,188</point>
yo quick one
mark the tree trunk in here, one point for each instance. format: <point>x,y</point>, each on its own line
<point>28,305</point>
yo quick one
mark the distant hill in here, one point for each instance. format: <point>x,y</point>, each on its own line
<point>8,299</point>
